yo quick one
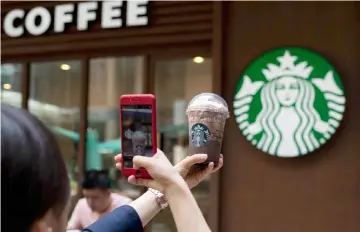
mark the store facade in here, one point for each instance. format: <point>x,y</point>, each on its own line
<point>69,63</point>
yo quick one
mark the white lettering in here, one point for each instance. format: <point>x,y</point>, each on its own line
<point>111,12</point>
<point>136,13</point>
<point>45,21</point>
<point>86,13</point>
<point>63,15</point>
<point>38,20</point>
<point>9,27</point>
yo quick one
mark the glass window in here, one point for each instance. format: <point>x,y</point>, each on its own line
<point>55,99</point>
<point>176,82</point>
<point>110,78</point>
<point>11,84</point>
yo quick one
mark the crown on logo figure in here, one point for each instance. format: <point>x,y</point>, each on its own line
<point>287,68</point>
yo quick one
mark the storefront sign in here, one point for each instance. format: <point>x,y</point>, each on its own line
<point>39,20</point>
<point>289,102</point>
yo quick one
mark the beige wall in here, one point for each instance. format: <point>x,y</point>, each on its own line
<point>49,84</point>
<point>179,80</point>
<point>198,78</point>
<point>112,77</point>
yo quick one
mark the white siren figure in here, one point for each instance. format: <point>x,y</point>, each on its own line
<point>288,117</point>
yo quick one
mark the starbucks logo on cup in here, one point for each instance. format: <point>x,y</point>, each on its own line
<point>199,135</point>
<point>289,102</point>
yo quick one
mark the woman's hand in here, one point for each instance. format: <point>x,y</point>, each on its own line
<point>160,169</point>
<point>191,174</point>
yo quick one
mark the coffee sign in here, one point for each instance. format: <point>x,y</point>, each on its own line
<point>289,102</point>
<point>39,20</point>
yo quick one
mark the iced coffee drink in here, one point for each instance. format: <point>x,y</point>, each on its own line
<point>207,114</point>
<point>139,143</point>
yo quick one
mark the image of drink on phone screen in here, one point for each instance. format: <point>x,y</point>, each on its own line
<point>137,129</point>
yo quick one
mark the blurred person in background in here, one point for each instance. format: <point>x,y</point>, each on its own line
<point>98,200</point>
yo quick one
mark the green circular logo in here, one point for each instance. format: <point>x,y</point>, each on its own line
<point>289,102</point>
<point>199,135</point>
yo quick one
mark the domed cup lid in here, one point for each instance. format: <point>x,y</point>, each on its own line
<point>208,102</point>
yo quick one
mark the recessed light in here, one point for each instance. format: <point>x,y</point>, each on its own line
<point>65,67</point>
<point>6,86</point>
<point>198,59</point>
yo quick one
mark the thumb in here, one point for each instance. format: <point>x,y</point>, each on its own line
<point>192,160</point>
<point>142,162</point>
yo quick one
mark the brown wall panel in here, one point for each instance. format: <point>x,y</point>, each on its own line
<point>319,192</point>
<point>170,23</point>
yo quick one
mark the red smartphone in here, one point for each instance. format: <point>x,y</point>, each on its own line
<point>138,131</point>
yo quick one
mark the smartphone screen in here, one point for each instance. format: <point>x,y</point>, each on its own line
<point>137,132</point>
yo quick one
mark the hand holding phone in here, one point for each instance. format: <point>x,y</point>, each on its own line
<point>138,131</point>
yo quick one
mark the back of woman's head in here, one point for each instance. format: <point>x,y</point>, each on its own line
<point>34,181</point>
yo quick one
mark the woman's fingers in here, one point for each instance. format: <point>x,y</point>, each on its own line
<point>209,169</point>
<point>118,161</point>
<point>142,162</point>
<point>118,166</point>
<point>195,159</point>
<point>220,164</point>
<point>192,160</point>
<point>138,181</point>
<point>118,157</point>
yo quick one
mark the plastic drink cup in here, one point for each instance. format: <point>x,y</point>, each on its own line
<point>207,114</point>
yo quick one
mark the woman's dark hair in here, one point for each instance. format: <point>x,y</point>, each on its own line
<point>96,179</point>
<point>33,174</point>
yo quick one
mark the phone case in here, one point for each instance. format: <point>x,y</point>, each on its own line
<point>139,99</point>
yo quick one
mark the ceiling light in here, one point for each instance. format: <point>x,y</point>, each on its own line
<point>6,86</point>
<point>65,67</point>
<point>198,59</point>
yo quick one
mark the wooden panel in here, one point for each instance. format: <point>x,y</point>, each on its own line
<point>169,23</point>
<point>319,192</point>
<point>84,102</point>
<point>217,67</point>
<point>25,85</point>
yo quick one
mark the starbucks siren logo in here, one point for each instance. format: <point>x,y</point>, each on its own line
<point>199,135</point>
<point>289,102</point>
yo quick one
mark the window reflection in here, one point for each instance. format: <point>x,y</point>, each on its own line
<point>109,78</point>
<point>177,81</point>
<point>55,99</point>
<point>11,84</point>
